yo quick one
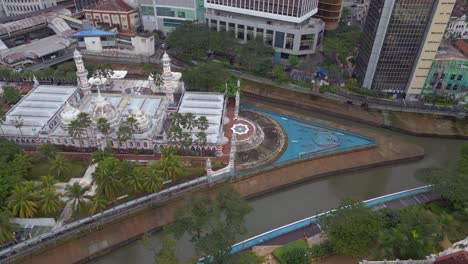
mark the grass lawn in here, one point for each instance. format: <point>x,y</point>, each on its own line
<point>40,167</point>
<point>281,251</point>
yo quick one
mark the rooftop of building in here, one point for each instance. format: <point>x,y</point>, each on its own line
<point>36,49</point>
<point>36,109</point>
<point>93,32</point>
<point>31,21</point>
<point>210,105</point>
<point>111,5</point>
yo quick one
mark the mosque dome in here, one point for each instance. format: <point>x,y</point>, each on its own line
<point>103,109</point>
<point>68,114</point>
<point>142,119</point>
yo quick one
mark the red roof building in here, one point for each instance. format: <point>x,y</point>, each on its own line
<point>113,13</point>
<point>462,45</point>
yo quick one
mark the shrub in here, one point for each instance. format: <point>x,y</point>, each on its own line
<point>327,89</point>
<point>295,252</point>
<point>321,250</point>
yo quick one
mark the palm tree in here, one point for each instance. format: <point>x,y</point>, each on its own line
<point>22,164</point>
<point>18,122</point>
<point>47,182</point>
<point>153,180</point>
<point>133,124</point>
<point>85,122</point>
<point>107,177</point>
<point>201,140</point>
<point>202,123</point>
<point>59,167</point>
<point>22,202</point>
<point>190,121</point>
<point>98,203</point>
<point>49,201</point>
<point>2,118</point>
<point>103,126</point>
<point>99,154</point>
<point>6,228</point>
<point>136,179</point>
<point>76,130</point>
<point>124,133</point>
<point>171,166</point>
<point>76,194</point>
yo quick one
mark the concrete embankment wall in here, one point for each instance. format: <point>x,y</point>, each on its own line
<point>98,241</point>
<point>410,123</point>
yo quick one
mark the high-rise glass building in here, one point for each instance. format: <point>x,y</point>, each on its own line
<point>400,40</point>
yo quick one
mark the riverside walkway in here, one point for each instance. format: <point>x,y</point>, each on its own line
<point>309,227</point>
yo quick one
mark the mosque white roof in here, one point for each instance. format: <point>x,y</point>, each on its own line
<point>210,105</point>
<point>36,109</point>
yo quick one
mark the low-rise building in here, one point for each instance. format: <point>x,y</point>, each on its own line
<point>19,7</point>
<point>286,26</point>
<point>457,28</point>
<point>113,13</point>
<point>165,15</point>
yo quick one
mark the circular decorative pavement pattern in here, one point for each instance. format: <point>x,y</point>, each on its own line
<point>240,129</point>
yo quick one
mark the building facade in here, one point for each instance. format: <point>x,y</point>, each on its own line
<point>19,7</point>
<point>400,41</point>
<point>457,28</point>
<point>448,77</point>
<point>330,12</point>
<point>113,13</point>
<point>165,15</point>
<point>285,25</point>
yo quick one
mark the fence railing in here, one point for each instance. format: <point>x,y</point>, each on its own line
<point>371,102</point>
<point>256,240</point>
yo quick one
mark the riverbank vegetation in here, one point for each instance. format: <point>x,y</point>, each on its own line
<point>412,232</point>
<point>212,224</point>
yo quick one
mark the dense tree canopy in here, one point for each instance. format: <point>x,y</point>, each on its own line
<point>212,224</point>
<point>353,228</point>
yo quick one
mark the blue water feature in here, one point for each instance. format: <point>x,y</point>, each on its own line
<point>307,139</point>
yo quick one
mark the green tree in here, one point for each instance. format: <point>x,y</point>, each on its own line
<point>6,228</point>
<point>23,202</point>
<point>103,126</point>
<point>153,178</point>
<point>98,203</point>
<point>99,154</point>
<point>249,257</point>
<point>59,167</point>
<point>49,201</point>
<point>212,224</point>
<point>76,131</point>
<point>48,151</point>
<point>21,165</point>
<point>131,176</point>
<point>202,123</point>
<point>170,164</point>
<point>207,77</point>
<point>11,94</point>
<point>76,194</point>
<point>166,254</point>
<point>297,255</point>
<point>107,178</point>
<point>255,56</point>
<point>414,237</point>
<point>352,228</point>
<point>8,150</point>
<point>47,182</point>
<point>280,75</point>
<point>124,133</point>
<point>293,60</point>
<point>452,185</point>
<point>85,122</point>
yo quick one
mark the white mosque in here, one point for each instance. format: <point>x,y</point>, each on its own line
<point>44,115</point>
